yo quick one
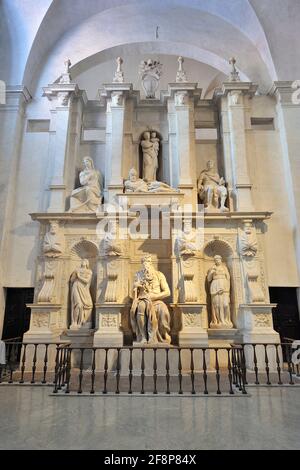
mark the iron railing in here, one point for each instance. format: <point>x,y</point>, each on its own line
<point>29,363</point>
<point>150,370</point>
<point>270,364</point>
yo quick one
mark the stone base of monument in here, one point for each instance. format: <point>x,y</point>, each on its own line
<point>163,361</point>
<point>77,339</point>
<point>218,338</point>
<point>256,326</point>
<point>265,356</point>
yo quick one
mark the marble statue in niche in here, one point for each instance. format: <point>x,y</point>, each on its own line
<point>211,189</point>
<point>150,148</point>
<point>218,278</point>
<point>111,247</point>
<point>53,241</point>
<point>149,315</point>
<point>88,197</point>
<point>81,299</point>
<point>186,242</point>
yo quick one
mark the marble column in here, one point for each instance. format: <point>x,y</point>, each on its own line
<point>235,98</point>
<point>116,94</point>
<point>12,118</point>
<point>61,96</point>
<point>182,128</point>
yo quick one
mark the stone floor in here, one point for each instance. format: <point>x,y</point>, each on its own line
<point>32,419</point>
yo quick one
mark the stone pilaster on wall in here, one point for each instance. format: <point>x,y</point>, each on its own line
<point>182,129</point>
<point>61,96</point>
<point>288,114</point>
<point>235,98</point>
<point>12,118</point>
<point>116,94</point>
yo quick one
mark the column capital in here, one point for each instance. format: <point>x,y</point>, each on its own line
<point>283,91</point>
<point>229,88</point>
<point>110,88</point>
<point>177,91</point>
<point>15,96</point>
<point>62,93</point>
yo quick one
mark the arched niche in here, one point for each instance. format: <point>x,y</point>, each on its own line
<point>223,249</point>
<point>160,171</point>
<point>83,249</point>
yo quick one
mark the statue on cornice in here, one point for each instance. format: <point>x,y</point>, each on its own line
<point>88,197</point>
<point>134,184</point>
<point>211,189</point>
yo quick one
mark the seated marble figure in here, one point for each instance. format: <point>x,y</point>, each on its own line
<point>212,190</point>
<point>88,197</point>
<point>149,315</point>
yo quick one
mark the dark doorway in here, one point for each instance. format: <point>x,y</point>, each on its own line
<point>286,314</point>
<point>17,315</point>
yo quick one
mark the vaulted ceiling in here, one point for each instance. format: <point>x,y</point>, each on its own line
<point>37,35</point>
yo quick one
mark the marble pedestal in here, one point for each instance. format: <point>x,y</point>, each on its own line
<point>77,339</point>
<point>43,324</point>
<point>256,326</point>
<point>192,333</point>
<point>219,338</point>
<point>108,323</point>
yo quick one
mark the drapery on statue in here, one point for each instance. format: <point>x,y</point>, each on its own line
<point>211,189</point>
<point>150,148</point>
<point>81,300</point>
<point>219,279</point>
<point>88,197</point>
<point>149,315</point>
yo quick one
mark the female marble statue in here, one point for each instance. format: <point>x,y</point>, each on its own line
<point>219,279</point>
<point>81,300</point>
<point>150,160</point>
<point>89,196</point>
<point>149,315</point>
